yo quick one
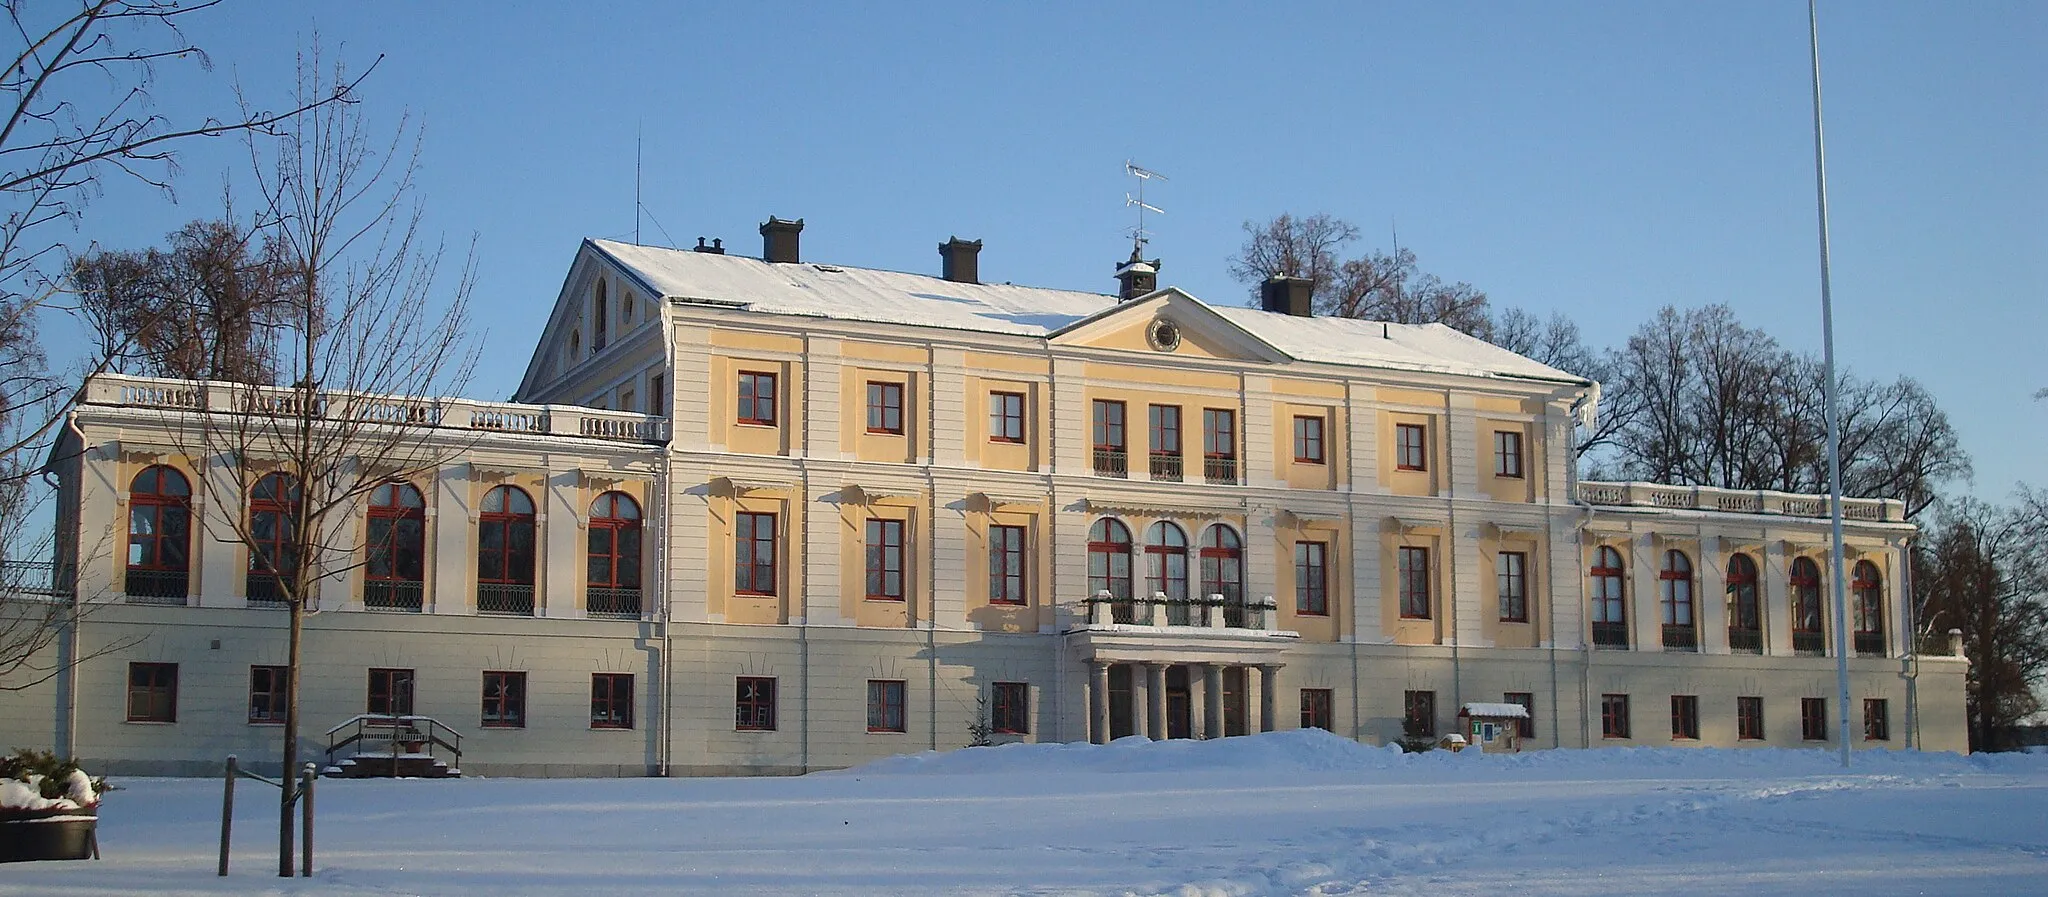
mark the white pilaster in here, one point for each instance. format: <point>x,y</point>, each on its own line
<point>1710,603</point>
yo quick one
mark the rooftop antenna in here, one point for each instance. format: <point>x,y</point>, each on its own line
<point>636,183</point>
<point>1139,236</point>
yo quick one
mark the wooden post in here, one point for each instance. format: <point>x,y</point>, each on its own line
<point>227,814</point>
<point>306,822</point>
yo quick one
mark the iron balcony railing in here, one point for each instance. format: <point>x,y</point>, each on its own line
<point>1809,644</point>
<point>1195,612</point>
<point>388,737</point>
<point>1610,635</point>
<point>1112,462</point>
<point>267,590</point>
<point>1870,644</point>
<point>43,578</point>
<point>171,587</point>
<point>1166,467</point>
<point>613,604</point>
<point>1746,641</point>
<point>1681,638</point>
<point>1219,471</point>
<point>393,594</point>
<point>506,598</point>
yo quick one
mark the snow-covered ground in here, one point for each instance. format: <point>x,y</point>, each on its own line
<point>1287,813</point>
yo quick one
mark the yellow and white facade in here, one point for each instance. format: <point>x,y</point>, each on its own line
<point>879,509</point>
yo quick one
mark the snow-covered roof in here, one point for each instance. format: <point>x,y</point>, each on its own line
<point>1482,708</point>
<point>894,297</point>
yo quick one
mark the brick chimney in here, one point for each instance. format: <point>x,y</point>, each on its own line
<point>779,240</point>
<point>960,260</point>
<point>1136,276</point>
<point>1287,295</point>
<point>717,247</point>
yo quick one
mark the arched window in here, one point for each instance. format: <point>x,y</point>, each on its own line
<point>159,535</point>
<point>1223,571</point>
<point>1674,593</point>
<point>393,576</point>
<point>1166,561</point>
<point>1745,612</point>
<point>273,547</point>
<point>614,556</point>
<point>600,319</point>
<point>504,553</point>
<point>1867,587</point>
<point>1610,606</point>
<point>1808,637</point>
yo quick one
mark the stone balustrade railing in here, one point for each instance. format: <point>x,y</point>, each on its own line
<point>123,391</point>
<point>1738,501</point>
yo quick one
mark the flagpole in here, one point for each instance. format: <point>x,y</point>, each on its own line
<point>1829,390</point>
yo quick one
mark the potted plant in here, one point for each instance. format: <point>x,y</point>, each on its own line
<point>49,808</point>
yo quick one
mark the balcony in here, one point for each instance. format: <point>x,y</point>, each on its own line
<point>1870,644</point>
<point>165,587</point>
<point>393,595</point>
<point>612,604</point>
<point>1610,635</point>
<point>1745,641</point>
<point>266,590</point>
<point>1112,462</point>
<point>1681,638</point>
<point>1737,501</point>
<point>505,598</point>
<point>1212,612</point>
<point>1809,644</point>
<point>1219,471</point>
<point>1166,467</point>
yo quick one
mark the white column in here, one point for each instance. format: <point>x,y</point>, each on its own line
<point>562,526</point>
<point>1071,433</point>
<point>689,518</point>
<point>945,533</point>
<point>1710,603</point>
<point>1198,716</point>
<point>950,407</point>
<point>1212,688</point>
<point>1475,582</point>
<point>1364,595</point>
<point>222,570</point>
<point>1269,680</point>
<point>690,421</point>
<point>1777,599</point>
<point>1155,688</point>
<point>1140,700</point>
<point>1255,695</point>
<point>1098,702</point>
<point>1646,617</point>
<point>825,400</point>
<point>451,558</point>
<point>1259,430</point>
<point>824,579</point>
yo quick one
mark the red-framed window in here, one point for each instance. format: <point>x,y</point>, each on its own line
<point>1308,439</point>
<point>1610,603</point>
<point>1006,417</point>
<point>885,706</point>
<point>1746,611</point>
<point>1813,719</point>
<point>1312,579</point>
<point>1418,714</point>
<point>273,550</point>
<point>398,534</point>
<point>1010,708</point>
<point>505,537</point>
<point>1808,633</point>
<point>390,692</point>
<point>1109,558</point>
<point>753,564</point>
<point>1165,425</point>
<point>754,704</point>
<point>1166,560</point>
<point>1526,726</point>
<point>756,398</point>
<point>1007,562</point>
<point>1109,433</point>
<point>1222,560</point>
<point>1507,453</point>
<point>613,548</point>
<point>1414,567</point>
<point>1674,586</point>
<point>152,692</point>
<point>885,408</point>
<point>269,690</point>
<point>1614,721</point>
<point>1867,587</point>
<point>1411,447</point>
<point>1877,719</point>
<point>1511,580</point>
<point>504,700</point>
<point>1318,707</point>
<point>885,559</point>
<point>1685,717</point>
<point>1219,434</point>
<point>611,700</point>
<point>159,533</point>
<point>1749,718</point>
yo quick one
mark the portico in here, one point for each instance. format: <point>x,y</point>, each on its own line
<point>1179,681</point>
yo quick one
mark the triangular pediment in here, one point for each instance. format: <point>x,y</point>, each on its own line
<point>1168,322</point>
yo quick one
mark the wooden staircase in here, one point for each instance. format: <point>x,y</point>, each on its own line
<point>394,746</point>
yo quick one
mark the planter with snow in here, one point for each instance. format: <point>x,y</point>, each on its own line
<point>49,810</point>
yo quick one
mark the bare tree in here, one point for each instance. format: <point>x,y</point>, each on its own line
<point>1981,570</point>
<point>208,306</point>
<point>1379,286</point>
<point>1294,247</point>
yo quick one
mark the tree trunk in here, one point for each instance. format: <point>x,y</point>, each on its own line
<point>288,778</point>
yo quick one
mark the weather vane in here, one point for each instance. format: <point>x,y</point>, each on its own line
<point>1139,236</point>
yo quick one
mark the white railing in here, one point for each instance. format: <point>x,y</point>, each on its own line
<point>1709,498</point>
<point>123,391</point>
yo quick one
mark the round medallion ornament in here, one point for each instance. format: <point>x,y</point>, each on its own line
<point>1164,336</point>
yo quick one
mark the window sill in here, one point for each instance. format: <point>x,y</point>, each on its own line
<point>515,727</point>
<point>888,731</point>
<point>1313,614</point>
<point>1404,469</point>
<point>758,424</point>
<point>1309,461</point>
<point>1506,476</point>
<point>1423,619</point>
<point>266,723</point>
<point>997,440</point>
<point>149,722</point>
<point>1505,622</point>
<point>885,432</point>
<point>756,729</point>
<point>994,603</point>
<point>598,728</point>
<point>755,595</point>
<point>885,599</point>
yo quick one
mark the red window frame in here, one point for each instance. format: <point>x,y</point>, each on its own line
<point>1610,587</point>
<point>160,498</point>
<point>1162,573</point>
<point>1219,434</point>
<point>1318,706</point>
<point>390,692</point>
<point>1413,562</point>
<point>1312,579</point>
<point>1164,423</point>
<point>273,512</point>
<point>756,398</point>
<point>1742,584</point>
<point>1877,719</point>
<point>1614,716</point>
<point>1507,454</point>
<point>1526,726</point>
<point>269,689</point>
<point>1868,587</point>
<point>1010,708</point>
<point>753,704</point>
<point>1813,719</point>
<point>1308,439</point>
<point>613,543</point>
<point>1511,579</point>
<point>1222,561</point>
<point>754,553</point>
<point>1749,718</point>
<point>611,700</point>
<point>884,554</point>
<point>1418,714</point>
<point>508,514</point>
<point>397,534</point>
<point>1411,451</point>
<point>1807,615</point>
<point>1109,540</point>
<point>1006,417</point>
<point>1110,433</point>
<point>886,698</point>
<point>1685,717</point>
<point>152,692</point>
<point>1674,587</point>
<point>1007,563</point>
<point>885,407</point>
<point>504,700</point>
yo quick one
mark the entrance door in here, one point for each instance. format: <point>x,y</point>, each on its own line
<point>1234,694</point>
<point>1120,701</point>
<point>1179,710</point>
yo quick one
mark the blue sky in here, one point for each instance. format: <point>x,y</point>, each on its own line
<point>1597,159</point>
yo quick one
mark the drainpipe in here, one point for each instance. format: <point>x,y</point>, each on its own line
<point>1910,668</point>
<point>1571,480</point>
<point>1450,554</point>
<point>665,752</point>
<point>70,677</point>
